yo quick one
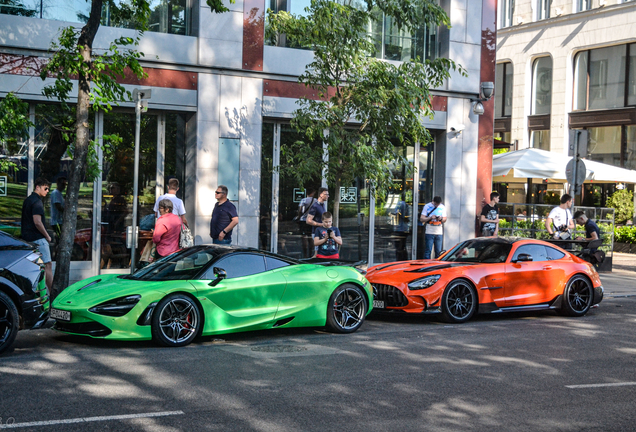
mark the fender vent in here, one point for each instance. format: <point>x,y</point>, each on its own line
<point>283,322</point>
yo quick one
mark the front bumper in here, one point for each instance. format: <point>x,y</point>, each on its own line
<point>598,294</point>
<point>35,312</point>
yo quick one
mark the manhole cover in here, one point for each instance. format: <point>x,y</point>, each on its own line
<point>279,348</point>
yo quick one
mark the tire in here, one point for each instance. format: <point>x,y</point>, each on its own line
<point>9,322</point>
<point>459,302</point>
<point>176,321</point>
<point>347,309</point>
<point>577,296</point>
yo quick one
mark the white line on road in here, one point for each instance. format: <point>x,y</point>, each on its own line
<point>620,384</point>
<point>90,419</point>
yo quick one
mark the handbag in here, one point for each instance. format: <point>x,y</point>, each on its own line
<point>185,238</point>
<point>149,254</point>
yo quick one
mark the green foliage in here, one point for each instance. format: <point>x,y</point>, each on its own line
<point>388,100</point>
<point>622,201</point>
<point>625,234</point>
<point>14,125</point>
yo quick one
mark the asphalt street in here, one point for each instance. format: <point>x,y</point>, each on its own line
<point>530,372</point>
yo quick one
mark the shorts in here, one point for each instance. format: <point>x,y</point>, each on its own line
<point>333,257</point>
<point>45,250</point>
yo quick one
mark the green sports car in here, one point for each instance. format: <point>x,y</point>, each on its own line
<point>207,290</point>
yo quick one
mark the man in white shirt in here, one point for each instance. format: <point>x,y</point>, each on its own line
<point>560,218</point>
<point>178,208</point>
<point>433,217</point>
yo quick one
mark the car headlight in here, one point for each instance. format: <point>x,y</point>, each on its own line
<point>424,282</point>
<point>116,307</point>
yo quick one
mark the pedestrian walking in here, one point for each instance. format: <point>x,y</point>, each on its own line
<point>224,218</point>
<point>57,206</point>
<point>306,230</point>
<point>167,229</point>
<point>314,218</point>
<point>33,226</point>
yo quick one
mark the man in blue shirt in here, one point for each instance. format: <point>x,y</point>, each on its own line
<point>224,218</point>
<point>592,231</point>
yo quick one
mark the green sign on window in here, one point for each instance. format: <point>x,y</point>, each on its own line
<point>3,185</point>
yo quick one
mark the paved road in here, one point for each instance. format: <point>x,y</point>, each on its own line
<point>533,372</point>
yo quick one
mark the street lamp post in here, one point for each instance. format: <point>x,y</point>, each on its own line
<point>140,96</point>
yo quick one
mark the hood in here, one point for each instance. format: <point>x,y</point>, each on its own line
<point>97,289</point>
<point>416,267</point>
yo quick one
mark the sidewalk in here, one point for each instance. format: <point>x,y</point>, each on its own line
<point>621,282</point>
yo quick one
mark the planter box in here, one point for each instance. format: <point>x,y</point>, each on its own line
<point>625,247</point>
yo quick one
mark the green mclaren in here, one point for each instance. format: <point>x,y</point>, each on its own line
<point>209,290</point>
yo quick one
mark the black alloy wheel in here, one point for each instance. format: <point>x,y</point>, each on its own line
<point>459,302</point>
<point>176,321</point>
<point>347,309</point>
<point>577,296</point>
<point>9,322</point>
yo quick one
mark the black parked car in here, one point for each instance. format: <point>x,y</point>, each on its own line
<point>24,300</point>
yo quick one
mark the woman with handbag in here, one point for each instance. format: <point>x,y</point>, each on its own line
<point>167,230</point>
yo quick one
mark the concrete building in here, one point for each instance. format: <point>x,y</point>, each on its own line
<point>564,65</point>
<point>219,114</point>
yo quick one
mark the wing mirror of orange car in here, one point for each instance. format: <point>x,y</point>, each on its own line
<point>523,258</point>
<point>220,275</point>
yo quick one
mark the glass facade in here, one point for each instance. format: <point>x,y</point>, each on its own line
<point>166,16</point>
<point>604,145</point>
<point>604,78</point>
<point>540,139</point>
<point>503,90</point>
<point>542,85</point>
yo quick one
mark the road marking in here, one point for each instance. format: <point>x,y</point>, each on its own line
<point>602,385</point>
<point>90,419</point>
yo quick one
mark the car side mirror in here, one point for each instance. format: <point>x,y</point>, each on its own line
<point>220,275</point>
<point>523,258</point>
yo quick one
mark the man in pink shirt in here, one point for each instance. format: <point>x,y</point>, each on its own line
<point>167,230</point>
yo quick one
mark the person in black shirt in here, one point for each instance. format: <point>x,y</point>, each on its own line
<point>490,217</point>
<point>224,218</point>
<point>592,231</point>
<point>33,229</point>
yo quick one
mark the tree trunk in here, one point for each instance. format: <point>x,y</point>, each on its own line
<point>69,225</point>
<point>336,204</point>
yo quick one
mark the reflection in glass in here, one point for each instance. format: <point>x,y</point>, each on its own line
<point>27,8</point>
<point>630,154</point>
<point>393,214</point>
<point>503,90</point>
<point>631,83</point>
<point>580,80</point>
<point>607,77</point>
<point>66,10</point>
<point>540,139</point>
<point>604,145</point>
<point>53,135</point>
<point>267,169</point>
<point>542,85</point>
<point>117,192</point>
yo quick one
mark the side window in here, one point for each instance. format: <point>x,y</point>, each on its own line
<point>554,254</point>
<point>238,265</point>
<point>274,263</point>
<point>537,252</point>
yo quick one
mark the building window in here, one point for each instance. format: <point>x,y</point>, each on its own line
<point>391,42</point>
<point>542,85</point>
<point>583,5</point>
<point>503,90</point>
<point>543,9</point>
<point>506,11</point>
<point>540,139</point>
<point>599,78</point>
<point>166,16</point>
<point>604,145</point>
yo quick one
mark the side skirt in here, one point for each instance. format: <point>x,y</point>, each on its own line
<point>493,308</point>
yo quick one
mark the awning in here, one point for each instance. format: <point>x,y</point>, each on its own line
<point>518,166</point>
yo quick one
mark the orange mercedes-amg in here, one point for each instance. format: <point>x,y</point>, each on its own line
<point>488,275</point>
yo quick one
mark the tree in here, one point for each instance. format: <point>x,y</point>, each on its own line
<point>14,125</point>
<point>97,87</point>
<point>622,201</point>
<point>365,103</point>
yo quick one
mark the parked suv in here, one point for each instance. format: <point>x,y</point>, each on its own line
<point>24,300</point>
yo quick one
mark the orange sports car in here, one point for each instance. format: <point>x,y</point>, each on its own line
<point>488,275</point>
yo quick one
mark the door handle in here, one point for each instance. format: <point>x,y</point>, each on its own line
<point>547,267</point>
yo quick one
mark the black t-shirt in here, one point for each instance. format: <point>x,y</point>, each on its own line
<point>316,210</point>
<point>32,206</point>
<point>590,227</point>
<point>221,217</point>
<point>491,213</point>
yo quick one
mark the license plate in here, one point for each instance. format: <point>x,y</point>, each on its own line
<point>60,315</point>
<point>378,304</point>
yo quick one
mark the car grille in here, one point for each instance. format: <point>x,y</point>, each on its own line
<point>391,296</point>
<point>85,328</point>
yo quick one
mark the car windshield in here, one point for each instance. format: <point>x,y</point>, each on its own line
<point>178,266</point>
<point>479,251</point>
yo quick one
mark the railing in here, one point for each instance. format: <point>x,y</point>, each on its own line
<point>528,220</point>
